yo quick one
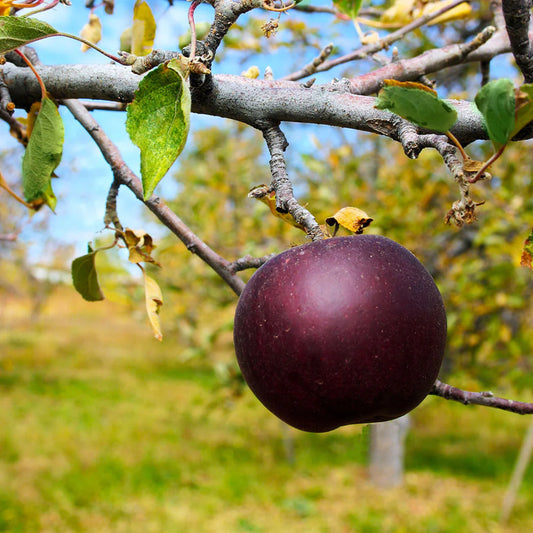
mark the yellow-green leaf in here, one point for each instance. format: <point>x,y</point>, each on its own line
<point>143,29</point>
<point>43,155</point>
<point>158,121</point>
<point>154,301</point>
<point>418,104</point>
<point>85,278</point>
<point>524,107</point>
<point>18,31</point>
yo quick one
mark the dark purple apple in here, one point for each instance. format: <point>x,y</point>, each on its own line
<point>340,331</point>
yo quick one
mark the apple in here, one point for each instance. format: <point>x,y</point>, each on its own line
<point>346,330</point>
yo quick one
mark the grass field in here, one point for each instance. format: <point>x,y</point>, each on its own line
<point>103,429</point>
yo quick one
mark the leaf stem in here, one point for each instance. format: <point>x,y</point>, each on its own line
<point>192,25</point>
<point>453,138</point>
<point>9,190</point>
<point>36,74</point>
<point>487,164</point>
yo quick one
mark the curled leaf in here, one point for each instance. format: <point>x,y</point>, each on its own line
<point>154,301</point>
<point>351,218</point>
<point>140,246</point>
<point>92,32</point>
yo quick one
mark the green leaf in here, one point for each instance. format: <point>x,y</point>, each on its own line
<point>418,104</point>
<point>85,278</point>
<point>43,155</point>
<point>496,102</point>
<point>524,109</point>
<point>18,31</point>
<point>158,121</point>
<point>348,7</point>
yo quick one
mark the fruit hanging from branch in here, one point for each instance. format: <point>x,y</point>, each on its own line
<point>341,331</point>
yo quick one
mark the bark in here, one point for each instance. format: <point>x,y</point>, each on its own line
<point>387,451</point>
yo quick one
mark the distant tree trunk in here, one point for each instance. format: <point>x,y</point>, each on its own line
<point>387,452</point>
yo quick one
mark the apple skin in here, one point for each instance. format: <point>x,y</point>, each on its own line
<point>340,331</point>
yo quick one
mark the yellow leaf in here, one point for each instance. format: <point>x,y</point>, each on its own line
<point>252,72</point>
<point>143,30</point>
<point>154,301</point>
<point>471,165</point>
<point>125,40</point>
<point>140,246</point>
<point>458,12</point>
<point>351,218</point>
<point>92,31</point>
<point>268,197</point>
<point>400,12</point>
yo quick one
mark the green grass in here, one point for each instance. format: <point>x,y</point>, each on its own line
<point>104,429</point>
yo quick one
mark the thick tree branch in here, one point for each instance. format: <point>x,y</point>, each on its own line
<point>235,97</point>
<point>123,175</point>
<point>517,14</point>
<point>480,398</point>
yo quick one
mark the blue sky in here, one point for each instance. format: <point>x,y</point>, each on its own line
<point>84,177</point>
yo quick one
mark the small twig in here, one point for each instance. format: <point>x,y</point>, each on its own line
<point>486,399</point>
<point>311,68</point>
<point>281,184</point>
<point>9,237</point>
<point>125,176</point>
<point>517,14</point>
<point>426,63</point>
<point>384,43</point>
<point>104,106</point>
<point>249,261</point>
<point>5,98</point>
<point>111,214</point>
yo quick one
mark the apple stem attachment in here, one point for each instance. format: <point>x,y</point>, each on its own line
<point>487,399</point>
<point>281,184</point>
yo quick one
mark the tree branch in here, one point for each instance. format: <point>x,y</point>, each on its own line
<point>517,14</point>
<point>480,398</point>
<point>426,63</point>
<point>281,184</point>
<point>250,101</point>
<point>123,175</point>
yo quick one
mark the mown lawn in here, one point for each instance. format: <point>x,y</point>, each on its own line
<point>104,429</point>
